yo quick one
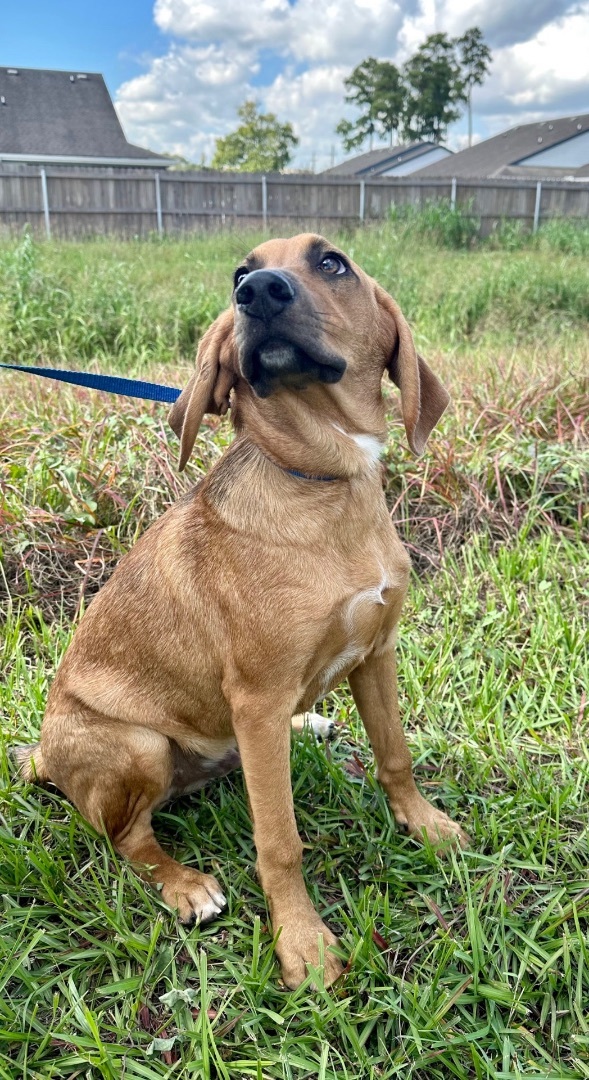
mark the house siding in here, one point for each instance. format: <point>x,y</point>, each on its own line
<point>406,167</point>
<point>570,154</point>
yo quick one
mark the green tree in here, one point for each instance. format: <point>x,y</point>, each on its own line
<point>423,98</point>
<point>475,61</point>
<point>437,89</point>
<point>259,144</point>
<point>389,104</point>
<point>361,87</point>
<point>375,87</point>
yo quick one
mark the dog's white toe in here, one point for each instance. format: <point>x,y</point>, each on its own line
<point>211,908</point>
<point>322,728</point>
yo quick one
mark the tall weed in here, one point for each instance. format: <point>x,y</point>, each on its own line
<point>144,302</point>
<point>438,222</point>
<point>67,308</point>
<point>566,235</point>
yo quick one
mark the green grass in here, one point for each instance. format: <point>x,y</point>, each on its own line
<point>472,966</point>
<point>437,222</point>
<point>148,302</point>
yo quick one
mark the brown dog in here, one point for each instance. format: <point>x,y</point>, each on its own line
<point>258,592</point>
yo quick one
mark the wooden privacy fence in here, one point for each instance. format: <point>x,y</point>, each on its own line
<point>137,202</point>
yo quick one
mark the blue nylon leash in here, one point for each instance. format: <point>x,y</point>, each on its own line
<point>148,391</point>
<point>112,383</point>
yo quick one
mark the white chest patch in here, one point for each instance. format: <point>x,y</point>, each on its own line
<point>354,652</point>
<point>372,595</point>
<point>370,446</point>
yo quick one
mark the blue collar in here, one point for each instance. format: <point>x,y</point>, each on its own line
<point>303,476</point>
<point>299,475</point>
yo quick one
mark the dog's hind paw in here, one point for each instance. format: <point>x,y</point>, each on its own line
<point>197,897</point>
<point>323,729</point>
<point>30,764</point>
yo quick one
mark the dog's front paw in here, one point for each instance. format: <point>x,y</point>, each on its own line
<point>420,816</point>
<point>299,945</point>
<point>197,897</point>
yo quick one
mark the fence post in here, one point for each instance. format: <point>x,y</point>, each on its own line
<point>453,194</point>
<point>158,204</point>
<point>264,204</point>
<point>45,202</point>
<point>537,206</point>
<point>362,199</point>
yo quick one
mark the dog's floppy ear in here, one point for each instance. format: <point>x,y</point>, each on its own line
<point>209,388</point>
<point>423,397</point>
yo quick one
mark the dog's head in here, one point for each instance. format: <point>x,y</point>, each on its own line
<point>302,313</point>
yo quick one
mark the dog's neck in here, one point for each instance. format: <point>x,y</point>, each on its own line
<point>313,432</point>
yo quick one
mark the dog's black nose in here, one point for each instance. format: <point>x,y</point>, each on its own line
<point>264,294</point>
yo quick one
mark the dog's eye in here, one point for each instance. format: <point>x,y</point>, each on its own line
<point>240,275</point>
<point>332,264</point>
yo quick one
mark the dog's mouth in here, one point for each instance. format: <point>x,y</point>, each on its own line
<point>279,363</point>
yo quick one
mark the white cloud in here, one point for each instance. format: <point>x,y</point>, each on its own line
<point>186,98</point>
<point>315,98</point>
<point>338,30</point>
<point>345,31</point>
<point>546,75</point>
<point>558,54</point>
<point>225,21</point>
<point>190,95</point>
<point>502,22</point>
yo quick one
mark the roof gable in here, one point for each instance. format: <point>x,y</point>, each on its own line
<point>60,114</point>
<point>486,159</point>
<point>375,162</point>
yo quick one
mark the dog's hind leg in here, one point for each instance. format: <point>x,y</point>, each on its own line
<point>117,774</point>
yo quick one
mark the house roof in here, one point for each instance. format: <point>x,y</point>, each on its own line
<point>57,115</point>
<point>375,162</point>
<point>542,172</point>
<point>488,158</point>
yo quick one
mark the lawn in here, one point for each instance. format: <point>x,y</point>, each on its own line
<point>474,965</point>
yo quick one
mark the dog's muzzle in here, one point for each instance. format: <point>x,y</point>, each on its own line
<point>279,334</point>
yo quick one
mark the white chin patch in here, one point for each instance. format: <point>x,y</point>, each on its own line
<point>277,357</point>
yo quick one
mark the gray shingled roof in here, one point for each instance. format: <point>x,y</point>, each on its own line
<point>487,159</point>
<point>542,172</point>
<point>375,162</point>
<point>62,114</point>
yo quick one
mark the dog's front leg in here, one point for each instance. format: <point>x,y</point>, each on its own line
<point>264,745</point>
<point>374,686</point>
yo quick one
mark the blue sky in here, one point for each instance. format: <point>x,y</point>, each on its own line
<point>178,69</point>
<point>115,37</point>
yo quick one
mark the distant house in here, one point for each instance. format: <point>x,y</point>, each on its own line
<point>64,118</point>
<point>390,161</point>
<point>549,150</point>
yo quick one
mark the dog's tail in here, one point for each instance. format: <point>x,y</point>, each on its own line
<point>31,766</point>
